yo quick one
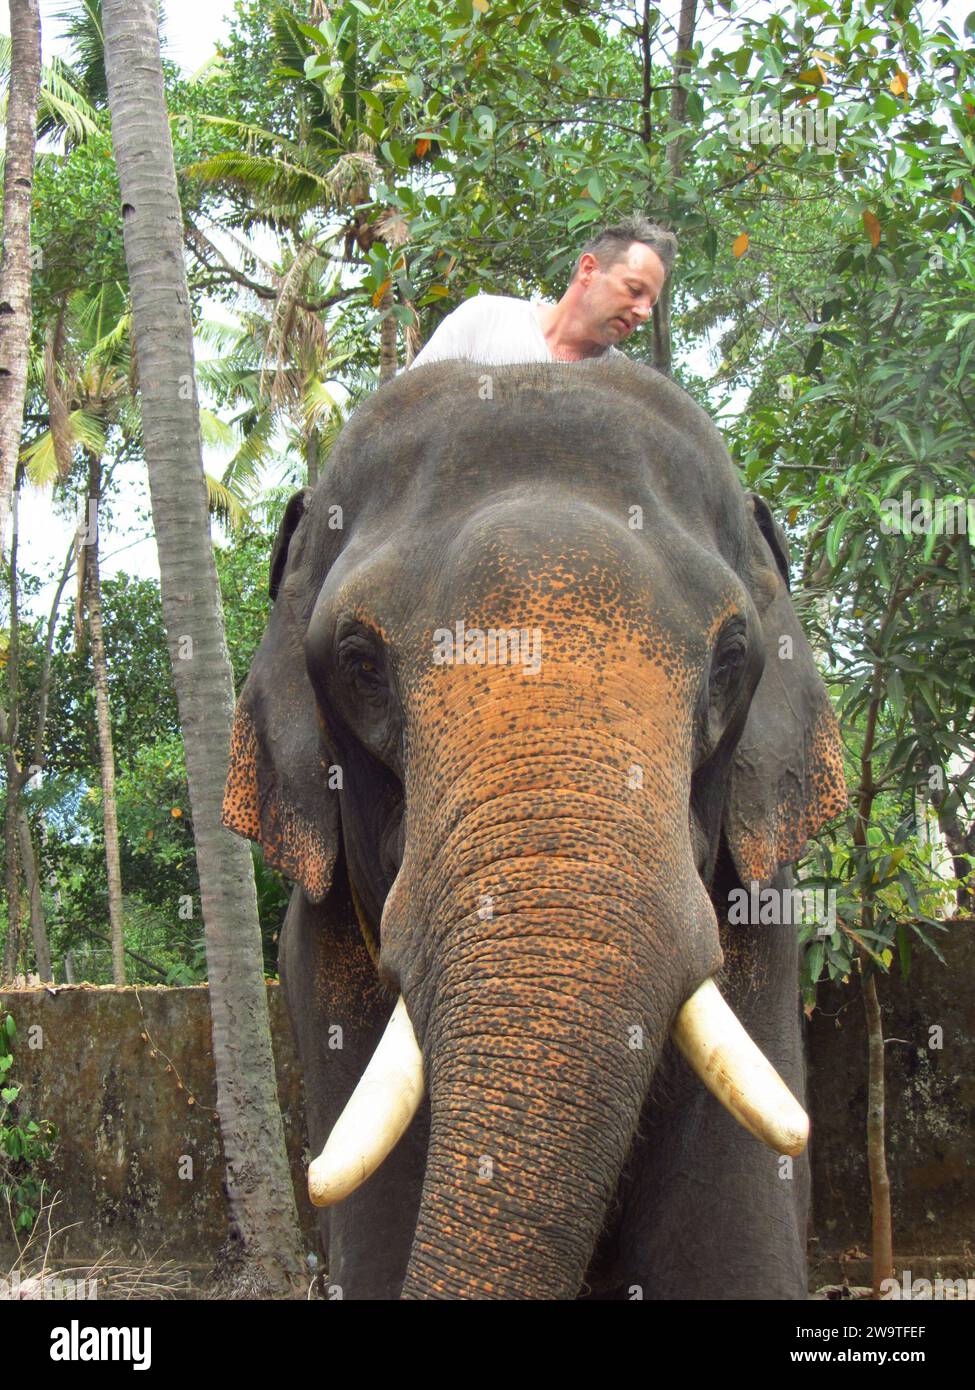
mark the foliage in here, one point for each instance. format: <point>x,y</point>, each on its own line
<point>24,1142</point>
<point>454,148</point>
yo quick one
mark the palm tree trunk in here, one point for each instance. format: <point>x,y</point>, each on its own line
<point>258,1177</point>
<point>88,555</point>
<point>388,361</point>
<point>311,455</point>
<point>18,184</point>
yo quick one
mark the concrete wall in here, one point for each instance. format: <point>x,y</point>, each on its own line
<point>127,1077</point>
<point>128,1128</point>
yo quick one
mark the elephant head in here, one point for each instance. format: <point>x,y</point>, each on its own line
<point>525,676</point>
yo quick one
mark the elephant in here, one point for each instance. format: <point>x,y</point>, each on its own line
<point>531,701</point>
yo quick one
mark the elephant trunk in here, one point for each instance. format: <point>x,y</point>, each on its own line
<point>566,930</point>
<point>538,1067</point>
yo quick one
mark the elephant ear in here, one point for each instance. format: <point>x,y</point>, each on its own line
<point>787,771</point>
<point>277,790</point>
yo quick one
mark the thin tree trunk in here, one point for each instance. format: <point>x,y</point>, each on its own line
<point>388,357</point>
<point>11,946</point>
<point>106,748</point>
<point>311,455</point>
<point>880,1212</point>
<point>38,930</point>
<point>9,727</point>
<point>44,687</point>
<point>18,184</point>
<point>663,350</point>
<point>259,1180</point>
<point>881,1225</point>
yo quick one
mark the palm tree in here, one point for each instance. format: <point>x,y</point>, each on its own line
<point>15,324</point>
<point>274,369</point>
<point>330,165</point>
<point>259,1181</point>
<point>18,182</point>
<point>88,378</point>
<point>87,369</point>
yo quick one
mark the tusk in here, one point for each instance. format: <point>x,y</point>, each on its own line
<point>376,1116</point>
<point>737,1073</point>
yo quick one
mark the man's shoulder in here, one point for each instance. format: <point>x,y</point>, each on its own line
<point>492,304</point>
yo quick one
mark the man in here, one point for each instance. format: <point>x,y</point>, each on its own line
<point>618,279</point>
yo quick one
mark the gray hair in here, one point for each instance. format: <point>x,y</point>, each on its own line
<point>612,243</point>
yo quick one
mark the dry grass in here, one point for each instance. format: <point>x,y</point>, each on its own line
<point>35,1275</point>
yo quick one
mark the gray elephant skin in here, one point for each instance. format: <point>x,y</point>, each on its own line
<point>533,841</point>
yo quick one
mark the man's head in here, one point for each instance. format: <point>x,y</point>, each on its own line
<point>619,277</point>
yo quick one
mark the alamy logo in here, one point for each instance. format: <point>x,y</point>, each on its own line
<point>765,907</point>
<point>493,646</point>
<point>77,1343</point>
<point>795,127</point>
<point>925,1290</point>
<point>46,1286</point>
<point>919,516</point>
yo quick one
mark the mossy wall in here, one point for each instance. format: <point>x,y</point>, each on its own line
<point>127,1077</point>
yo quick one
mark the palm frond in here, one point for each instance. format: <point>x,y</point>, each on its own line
<point>285,188</point>
<point>249,135</point>
<point>318,402</point>
<point>81,27</point>
<point>244,469</point>
<point>61,107</point>
<point>214,432</point>
<point>41,459</point>
<point>225,504</point>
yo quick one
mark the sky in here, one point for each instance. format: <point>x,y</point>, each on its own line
<point>193,28</point>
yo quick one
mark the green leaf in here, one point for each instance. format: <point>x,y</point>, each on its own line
<point>957,323</point>
<point>9,1094</point>
<point>815,958</point>
<point>835,535</point>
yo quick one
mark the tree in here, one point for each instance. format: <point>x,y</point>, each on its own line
<point>15,271</point>
<point>273,370</point>
<point>262,1200</point>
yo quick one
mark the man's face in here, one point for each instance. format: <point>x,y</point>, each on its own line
<point>621,297</point>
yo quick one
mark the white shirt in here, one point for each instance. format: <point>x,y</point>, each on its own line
<point>494,329</point>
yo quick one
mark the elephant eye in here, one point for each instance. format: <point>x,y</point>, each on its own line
<point>727,662</point>
<point>362,666</point>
